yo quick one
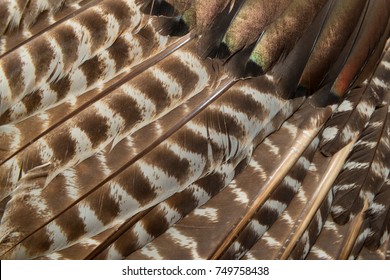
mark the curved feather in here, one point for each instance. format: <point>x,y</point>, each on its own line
<point>15,14</point>
<point>140,143</point>
<point>376,17</point>
<point>127,50</point>
<point>366,170</point>
<point>49,56</point>
<point>45,21</point>
<point>271,46</point>
<point>342,18</point>
<point>378,216</point>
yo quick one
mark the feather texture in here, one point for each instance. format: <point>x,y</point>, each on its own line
<point>163,129</point>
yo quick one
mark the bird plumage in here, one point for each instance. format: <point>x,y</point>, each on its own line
<point>196,129</point>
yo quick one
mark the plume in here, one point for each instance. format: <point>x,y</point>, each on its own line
<point>164,129</point>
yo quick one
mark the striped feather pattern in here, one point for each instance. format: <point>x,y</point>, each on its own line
<point>165,129</point>
<point>50,56</point>
<point>196,165</point>
<point>366,170</point>
<point>273,207</point>
<point>13,38</point>
<point>354,112</point>
<point>126,51</point>
<point>14,14</point>
<point>115,119</point>
<point>276,238</point>
<point>378,214</point>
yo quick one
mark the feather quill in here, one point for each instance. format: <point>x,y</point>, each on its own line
<point>365,171</point>
<point>129,142</point>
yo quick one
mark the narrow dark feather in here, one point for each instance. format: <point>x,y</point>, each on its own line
<point>355,110</point>
<point>289,70</point>
<point>270,211</point>
<point>341,21</point>
<point>45,21</point>
<point>366,169</point>
<point>378,215</point>
<point>309,237</point>
<point>349,119</point>
<point>271,46</point>
<point>309,212</point>
<point>276,238</point>
<point>372,31</point>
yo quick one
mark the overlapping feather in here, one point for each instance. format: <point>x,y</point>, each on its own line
<point>141,144</point>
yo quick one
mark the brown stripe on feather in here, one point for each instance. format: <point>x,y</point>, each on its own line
<point>122,12</point>
<point>68,41</point>
<point>127,51</point>
<point>131,95</point>
<point>44,22</point>
<point>167,213</point>
<point>41,46</point>
<point>309,237</point>
<point>365,171</point>
<point>269,212</point>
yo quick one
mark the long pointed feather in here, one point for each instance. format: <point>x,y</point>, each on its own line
<point>365,171</point>
<point>237,141</point>
<point>366,42</point>
<point>50,56</point>
<point>45,21</point>
<point>338,27</point>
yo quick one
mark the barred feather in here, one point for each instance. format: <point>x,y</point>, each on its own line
<point>269,212</point>
<point>164,129</point>
<point>378,217</point>
<point>48,57</point>
<point>366,170</point>
<point>354,112</point>
<point>17,13</point>
<point>128,50</point>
